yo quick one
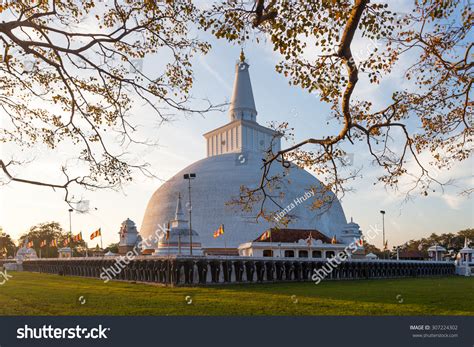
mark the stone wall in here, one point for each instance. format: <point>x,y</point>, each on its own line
<point>176,271</point>
<point>6,261</point>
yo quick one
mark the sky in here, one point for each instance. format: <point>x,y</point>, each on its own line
<point>181,143</point>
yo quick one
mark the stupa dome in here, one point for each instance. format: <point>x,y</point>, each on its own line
<point>218,180</point>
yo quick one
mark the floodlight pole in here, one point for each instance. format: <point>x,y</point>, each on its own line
<point>70,221</point>
<point>383,229</point>
<point>189,177</point>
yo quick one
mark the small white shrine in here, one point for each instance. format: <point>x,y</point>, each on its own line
<point>371,256</point>
<point>465,260</point>
<point>65,252</point>
<point>436,252</point>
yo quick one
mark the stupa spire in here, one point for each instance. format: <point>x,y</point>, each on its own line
<point>179,221</point>
<point>242,104</point>
<point>242,56</point>
<point>179,215</point>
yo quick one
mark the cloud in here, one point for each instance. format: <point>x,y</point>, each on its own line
<point>453,201</point>
<point>215,74</point>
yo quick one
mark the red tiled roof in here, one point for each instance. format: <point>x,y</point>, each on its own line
<point>293,235</point>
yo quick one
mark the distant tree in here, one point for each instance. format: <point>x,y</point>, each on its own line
<point>69,75</point>
<point>48,232</point>
<point>467,233</point>
<point>113,247</point>
<point>452,242</point>
<point>369,248</point>
<point>7,246</point>
<point>430,114</point>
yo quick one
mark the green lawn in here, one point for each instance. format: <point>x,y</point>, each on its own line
<point>41,294</point>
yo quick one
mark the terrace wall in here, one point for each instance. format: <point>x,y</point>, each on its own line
<point>188,271</point>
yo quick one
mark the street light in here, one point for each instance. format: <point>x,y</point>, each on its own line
<point>70,221</point>
<point>189,177</point>
<point>383,229</point>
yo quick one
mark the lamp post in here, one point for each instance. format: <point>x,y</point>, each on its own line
<point>383,229</point>
<point>70,221</point>
<point>189,177</point>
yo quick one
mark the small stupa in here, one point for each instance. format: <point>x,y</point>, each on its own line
<point>175,240</point>
<point>25,252</point>
<point>129,237</point>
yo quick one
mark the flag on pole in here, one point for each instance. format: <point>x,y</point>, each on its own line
<point>219,231</point>
<point>43,243</point>
<point>266,235</point>
<point>77,238</point>
<point>334,240</point>
<point>54,243</point>
<point>95,234</point>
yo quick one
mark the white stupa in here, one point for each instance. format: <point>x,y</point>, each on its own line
<point>178,242</point>
<point>350,232</point>
<point>129,237</point>
<point>25,252</point>
<point>234,159</point>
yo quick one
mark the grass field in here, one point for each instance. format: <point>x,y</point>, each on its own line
<point>41,294</point>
